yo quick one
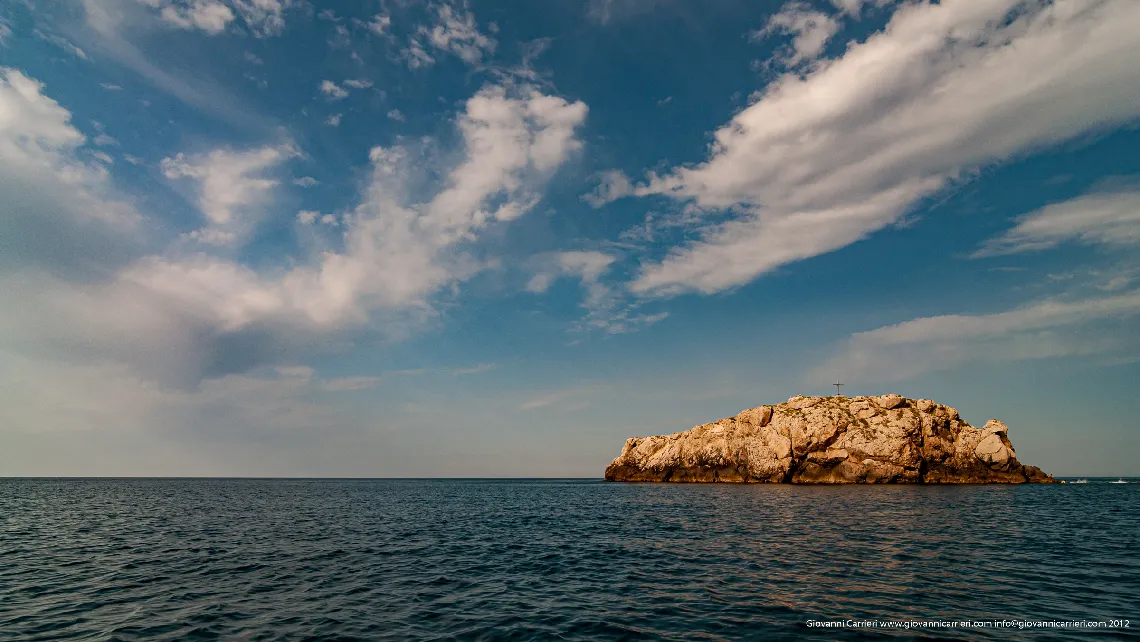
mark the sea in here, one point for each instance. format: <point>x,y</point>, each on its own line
<point>513,559</point>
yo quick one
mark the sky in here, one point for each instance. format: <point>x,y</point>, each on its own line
<point>495,239</point>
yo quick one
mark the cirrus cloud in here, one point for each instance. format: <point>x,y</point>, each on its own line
<point>820,161</point>
<point>1049,328</point>
<point>1105,217</point>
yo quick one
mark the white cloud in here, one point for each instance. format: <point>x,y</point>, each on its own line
<point>231,187</point>
<point>416,56</point>
<point>506,139</point>
<point>848,6</point>
<point>565,400</point>
<point>588,266</point>
<point>62,43</point>
<point>182,313</point>
<point>109,402</point>
<point>306,181</point>
<point>213,236</point>
<point>1045,329</point>
<point>541,402</point>
<point>1116,283</point>
<point>1109,218</point>
<point>657,223</point>
<point>457,33</point>
<point>116,24</point>
<point>396,115</point>
<point>476,369</point>
<point>812,30</point>
<point>110,87</point>
<point>614,185</point>
<point>737,251</point>
<point>379,23</point>
<point>300,372</point>
<point>264,17</point>
<point>606,308</point>
<point>40,168</point>
<point>309,217</point>
<point>332,90</point>
<point>35,129</point>
<point>350,384</point>
<point>854,7</point>
<point>334,120</point>
<point>821,161</point>
<point>210,16</point>
<point>397,252</point>
<point>342,39</point>
<point>454,32</point>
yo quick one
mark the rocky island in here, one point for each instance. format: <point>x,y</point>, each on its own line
<point>831,440</point>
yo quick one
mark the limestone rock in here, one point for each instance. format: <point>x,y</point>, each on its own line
<point>800,402</point>
<point>835,440</point>
<point>996,427</point>
<point>759,416</point>
<point>891,401</point>
<point>995,451</point>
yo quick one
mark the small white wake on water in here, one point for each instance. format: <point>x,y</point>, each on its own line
<point>1101,480</point>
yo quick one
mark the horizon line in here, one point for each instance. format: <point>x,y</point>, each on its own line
<point>326,478</point>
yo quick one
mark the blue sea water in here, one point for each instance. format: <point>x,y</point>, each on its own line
<point>247,559</point>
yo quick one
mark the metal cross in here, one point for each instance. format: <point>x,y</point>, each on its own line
<point>837,384</point>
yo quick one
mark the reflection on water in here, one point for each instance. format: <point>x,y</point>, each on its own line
<point>416,559</point>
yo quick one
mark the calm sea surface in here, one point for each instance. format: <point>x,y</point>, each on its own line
<point>201,559</point>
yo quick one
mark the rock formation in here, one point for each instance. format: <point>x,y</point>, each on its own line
<point>831,440</point>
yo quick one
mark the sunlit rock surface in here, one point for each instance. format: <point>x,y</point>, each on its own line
<point>831,440</point>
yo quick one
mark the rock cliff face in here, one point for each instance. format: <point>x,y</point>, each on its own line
<point>831,440</point>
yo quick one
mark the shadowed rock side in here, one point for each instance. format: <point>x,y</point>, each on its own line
<point>831,440</point>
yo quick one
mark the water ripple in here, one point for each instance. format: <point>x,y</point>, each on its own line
<point>152,559</point>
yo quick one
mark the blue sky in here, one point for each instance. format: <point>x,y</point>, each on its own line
<point>274,237</point>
